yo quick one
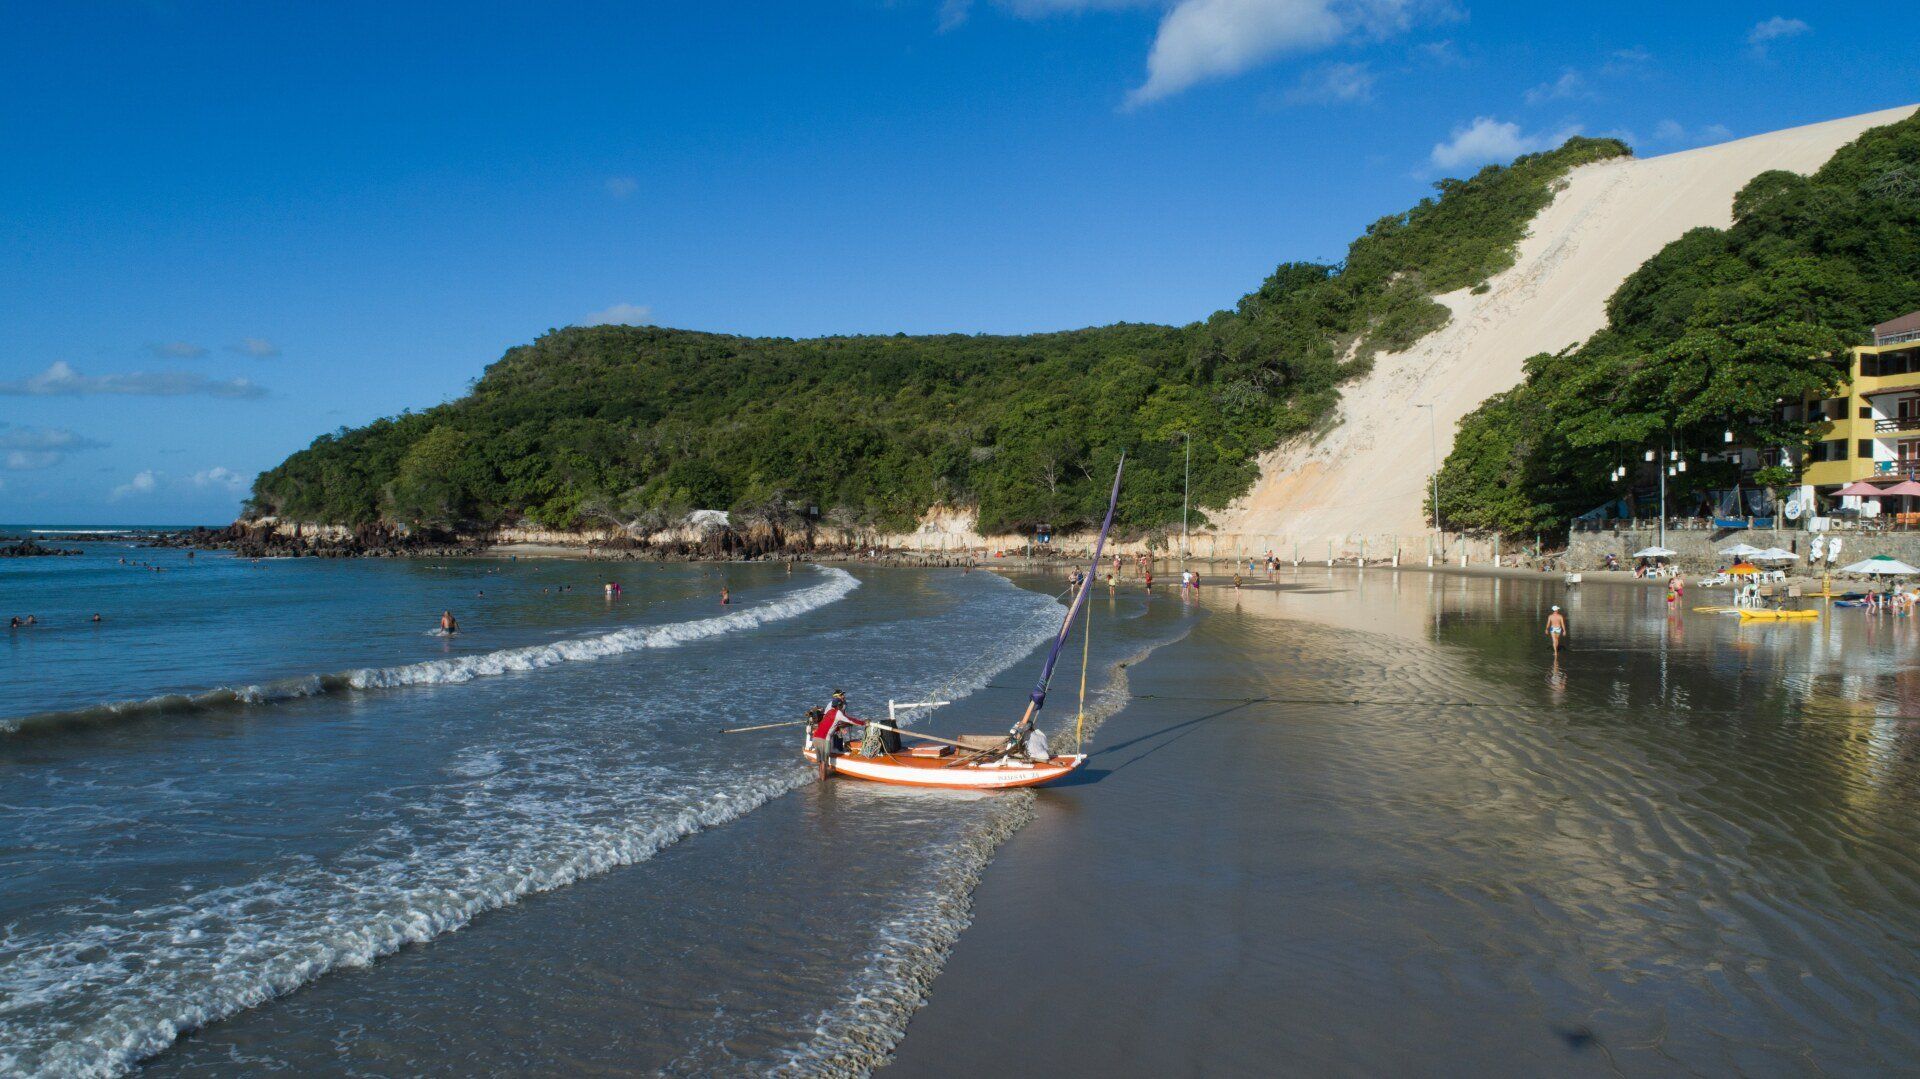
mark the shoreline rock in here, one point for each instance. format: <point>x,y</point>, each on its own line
<point>27,548</point>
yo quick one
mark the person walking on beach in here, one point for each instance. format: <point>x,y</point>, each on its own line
<point>1556,628</point>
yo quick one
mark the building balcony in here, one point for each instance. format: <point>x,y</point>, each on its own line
<point>1894,426</point>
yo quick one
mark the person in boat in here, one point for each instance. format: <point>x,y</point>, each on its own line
<point>1031,741</point>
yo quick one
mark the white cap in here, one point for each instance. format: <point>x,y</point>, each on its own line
<point>1556,608</point>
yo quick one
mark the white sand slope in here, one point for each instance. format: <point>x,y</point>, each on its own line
<point>1366,476</point>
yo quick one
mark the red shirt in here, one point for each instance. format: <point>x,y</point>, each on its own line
<point>833,718</point>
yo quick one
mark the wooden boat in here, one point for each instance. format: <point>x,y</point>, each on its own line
<point>1751,615</point>
<point>945,766</point>
<point>977,762</point>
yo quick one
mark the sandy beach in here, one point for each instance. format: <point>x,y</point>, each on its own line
<point>1366,825</point>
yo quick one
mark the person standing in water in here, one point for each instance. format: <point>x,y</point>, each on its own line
<point>448,624</point>
<point>1556,628</point>
<point>826,729</point>
<point>726,597</point>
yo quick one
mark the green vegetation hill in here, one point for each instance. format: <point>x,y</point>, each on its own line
<point>637,425</point>
<point>1707,336</point>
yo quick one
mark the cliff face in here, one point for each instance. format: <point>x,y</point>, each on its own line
<point>1363,477</point>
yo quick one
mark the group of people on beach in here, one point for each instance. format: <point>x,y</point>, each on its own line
<point>1894,601</point>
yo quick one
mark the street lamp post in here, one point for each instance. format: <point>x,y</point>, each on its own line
<point>1663,492</point>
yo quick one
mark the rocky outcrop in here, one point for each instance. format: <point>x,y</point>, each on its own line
<point>27,548</point>
<point>274,539</point>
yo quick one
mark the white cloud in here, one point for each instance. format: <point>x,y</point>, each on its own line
<point>1569,84</point>
<point>1332,84</point>
<point>1199,40</point>
<point>1631,61</point>
<point>620,314</point>
<point>220,477</point>
<point>1487,140</point>
<point>177,350</point>
<point>144,482</point>
<point>953,13</point>
<point>622,186</point>
<point>1777,28</point>
<point>258,347</point>
<point>1210,39</point>
<point>1442,53</point>
<point>40,447</point>
<point>1206,39</point>
<point>61,380</point>
<point>1674,133</point>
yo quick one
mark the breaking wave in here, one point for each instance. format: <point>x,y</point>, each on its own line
<point>837,585</point>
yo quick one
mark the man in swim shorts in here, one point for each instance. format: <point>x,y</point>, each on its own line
<point>1556,628</point>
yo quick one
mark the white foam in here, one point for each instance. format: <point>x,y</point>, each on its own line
<point>837,585</point>
<point>533,657</point>
<point>95,999</point>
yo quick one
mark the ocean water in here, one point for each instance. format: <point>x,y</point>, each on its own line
<point>264,817</point>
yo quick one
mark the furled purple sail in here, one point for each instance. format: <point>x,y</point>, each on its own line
<point>1039,697</point>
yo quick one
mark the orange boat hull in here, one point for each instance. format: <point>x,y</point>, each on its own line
<point>925,768</point>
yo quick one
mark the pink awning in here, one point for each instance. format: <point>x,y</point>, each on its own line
<point>1863,489</point>
<point>1904,487</point>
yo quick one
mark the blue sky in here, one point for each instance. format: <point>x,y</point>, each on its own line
<point>227,228</point>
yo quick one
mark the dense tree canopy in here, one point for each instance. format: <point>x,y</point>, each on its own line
<point>637,425</point>
<point>1708,335</point>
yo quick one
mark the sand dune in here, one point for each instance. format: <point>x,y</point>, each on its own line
<point>1365,477</point>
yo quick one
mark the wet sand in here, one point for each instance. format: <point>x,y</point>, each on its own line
<point>1366,825</point>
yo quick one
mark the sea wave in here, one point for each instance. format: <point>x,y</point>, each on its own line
<point>838,583</point>
<point>524,819</point>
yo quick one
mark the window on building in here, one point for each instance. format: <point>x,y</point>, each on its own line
<point>1866,412</point>
<point>1864,450</point>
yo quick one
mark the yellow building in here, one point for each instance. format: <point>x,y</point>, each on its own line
<point>1873,431</point>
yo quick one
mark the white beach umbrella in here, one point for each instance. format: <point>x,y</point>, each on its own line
<point>1652,552</point>
<point>1777,554</point>
<point>1881,565</point>
<point>1741,550</point>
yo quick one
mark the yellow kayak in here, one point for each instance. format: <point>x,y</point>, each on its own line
<point>1777,616</point>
